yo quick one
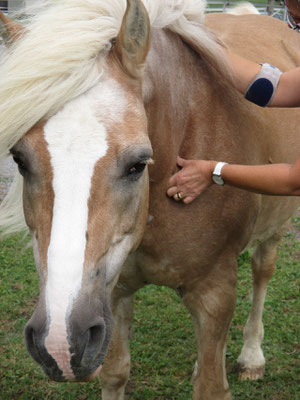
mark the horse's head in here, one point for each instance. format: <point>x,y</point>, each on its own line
<point>85,201</point>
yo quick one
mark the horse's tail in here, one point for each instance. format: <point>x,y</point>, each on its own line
<point>243,8</point>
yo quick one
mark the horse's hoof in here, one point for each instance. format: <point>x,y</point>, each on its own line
<point>252,374</point>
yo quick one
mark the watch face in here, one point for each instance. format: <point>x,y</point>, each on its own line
<point>218,180</point>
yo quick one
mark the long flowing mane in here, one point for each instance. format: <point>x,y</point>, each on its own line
<point>61,57</point>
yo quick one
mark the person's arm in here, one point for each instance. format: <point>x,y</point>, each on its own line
<point>288,90</point>
<point>196,176</point>
<point>272,179</point>
<point>277,179</point>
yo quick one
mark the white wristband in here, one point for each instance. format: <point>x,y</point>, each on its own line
<point>216,176</point>
<point>218,168</point>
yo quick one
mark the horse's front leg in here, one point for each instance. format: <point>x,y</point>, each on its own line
<point>211,303</point>
<point>115,372</point>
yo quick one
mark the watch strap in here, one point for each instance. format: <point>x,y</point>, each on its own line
<point>218,168</point>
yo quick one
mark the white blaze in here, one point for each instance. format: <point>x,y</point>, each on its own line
<point>76,141</point>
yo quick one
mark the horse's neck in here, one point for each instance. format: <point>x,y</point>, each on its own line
<point>183,103</point>
<point>167,94</point>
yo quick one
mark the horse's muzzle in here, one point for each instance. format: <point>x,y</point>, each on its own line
<point>80,354</point>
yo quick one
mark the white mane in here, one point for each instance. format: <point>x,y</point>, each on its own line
<point>242,8</point>
<point>60,58</point>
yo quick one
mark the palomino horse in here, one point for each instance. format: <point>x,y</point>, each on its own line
<point>87,101</point>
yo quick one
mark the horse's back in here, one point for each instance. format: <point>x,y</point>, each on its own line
<point>265,39</point>
<point>257,37</point>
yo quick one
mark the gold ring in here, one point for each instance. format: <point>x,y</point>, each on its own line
<point>179,196</point>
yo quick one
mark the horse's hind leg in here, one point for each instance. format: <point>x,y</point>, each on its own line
<point>116,368</point>
<point>251,362</point>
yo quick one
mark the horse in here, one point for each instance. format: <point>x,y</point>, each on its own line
<point>97,100</point>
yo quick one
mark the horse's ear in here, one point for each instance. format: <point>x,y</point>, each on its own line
<point>13,29</point>
<point>132,43</point>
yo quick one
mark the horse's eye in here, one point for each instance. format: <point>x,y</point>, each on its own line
<point>21,166</point>
<point>136,169</point>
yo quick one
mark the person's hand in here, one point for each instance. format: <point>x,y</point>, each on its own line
<point>193,179</point>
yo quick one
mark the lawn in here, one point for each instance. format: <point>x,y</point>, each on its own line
<point>163,347</point>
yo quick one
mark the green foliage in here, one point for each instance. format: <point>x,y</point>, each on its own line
<point>163,344</point>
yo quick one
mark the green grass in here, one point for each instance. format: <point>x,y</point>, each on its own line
<point>163,346</point>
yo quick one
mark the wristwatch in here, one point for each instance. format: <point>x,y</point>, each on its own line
<point>216,176</point>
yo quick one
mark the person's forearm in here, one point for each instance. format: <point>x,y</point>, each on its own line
<point>196,176</point>
<point>276,179</point>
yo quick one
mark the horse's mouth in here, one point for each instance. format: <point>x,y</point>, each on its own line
<point>93,375</point>
<point>61,378</point>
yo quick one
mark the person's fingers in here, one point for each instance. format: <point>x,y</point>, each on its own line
<point>178,196</point>
<point>172,191</point>
<point>188,199</point>
<point>180,161</point>
<point>172,180</point>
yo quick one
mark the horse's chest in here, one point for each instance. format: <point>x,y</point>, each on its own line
<point>173,258</point>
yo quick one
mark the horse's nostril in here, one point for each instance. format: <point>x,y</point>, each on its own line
<point>32,342</point>
<point>96,335</point>
<point>29,333</point>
